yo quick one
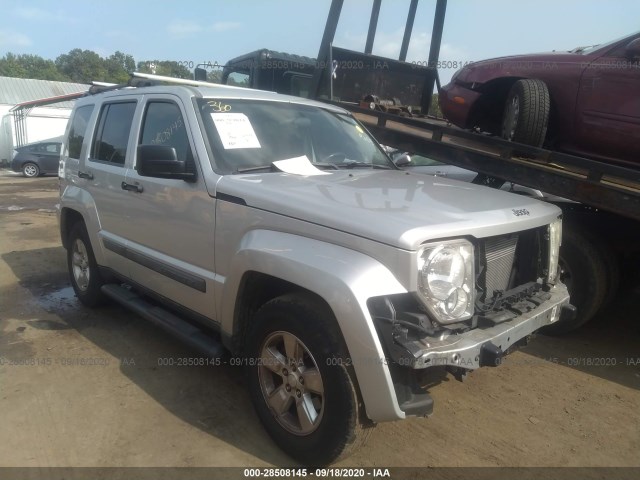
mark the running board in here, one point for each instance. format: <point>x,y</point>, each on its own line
<point>176,326</point>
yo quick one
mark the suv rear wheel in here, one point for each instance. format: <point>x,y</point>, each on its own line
<point>299,381</point>
<point>83,269</point>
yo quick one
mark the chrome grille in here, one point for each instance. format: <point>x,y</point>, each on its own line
<point>499,257</point>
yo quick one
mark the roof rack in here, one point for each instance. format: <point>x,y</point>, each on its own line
<point>139,79</point>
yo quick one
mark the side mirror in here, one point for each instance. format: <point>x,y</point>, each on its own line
<point>200,74</point>
<point>162,162</point>
<point>402,160</point>
<point>632,50</point>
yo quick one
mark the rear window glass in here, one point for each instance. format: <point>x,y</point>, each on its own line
<point>78,130</point>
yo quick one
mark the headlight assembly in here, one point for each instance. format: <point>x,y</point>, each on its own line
<point>446,280</point>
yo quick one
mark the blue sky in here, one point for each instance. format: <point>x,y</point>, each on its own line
<point>217,30</point>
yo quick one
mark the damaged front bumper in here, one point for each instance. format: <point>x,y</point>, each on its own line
<point>485,345</point>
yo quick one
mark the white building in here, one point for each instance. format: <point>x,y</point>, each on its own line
<point>22,121</point>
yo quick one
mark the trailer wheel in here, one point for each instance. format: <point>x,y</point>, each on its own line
<point>583,269</point>
<point>526,113</point>
<point>299,381</point>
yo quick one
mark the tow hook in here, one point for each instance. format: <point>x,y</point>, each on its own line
<point>490,355</point>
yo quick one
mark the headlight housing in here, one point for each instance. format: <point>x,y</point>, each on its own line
<point>446,280</point>
<point>555,240</point>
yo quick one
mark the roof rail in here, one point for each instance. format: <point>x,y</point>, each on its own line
<point>139,78</point>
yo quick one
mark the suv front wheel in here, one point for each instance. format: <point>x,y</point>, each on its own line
<point>300,383</point>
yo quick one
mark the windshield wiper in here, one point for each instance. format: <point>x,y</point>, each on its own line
<point>364,165</point>
<point>272,168</point>
<point>268,168</point>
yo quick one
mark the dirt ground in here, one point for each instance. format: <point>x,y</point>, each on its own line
<point>82,387</point>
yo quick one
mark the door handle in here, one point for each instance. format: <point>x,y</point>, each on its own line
<point>132,187</point>
<point>87,175</point>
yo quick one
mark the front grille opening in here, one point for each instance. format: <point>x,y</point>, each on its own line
<point>508,261</point>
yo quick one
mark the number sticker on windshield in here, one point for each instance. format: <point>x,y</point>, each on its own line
<point>217,106</point>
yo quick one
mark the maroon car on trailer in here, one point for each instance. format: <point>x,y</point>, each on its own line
<point>584,102</point>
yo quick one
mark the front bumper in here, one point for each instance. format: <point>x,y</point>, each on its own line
<point>456,103</point>
<point>468,350</point>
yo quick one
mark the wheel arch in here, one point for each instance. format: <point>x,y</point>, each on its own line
<point>340,278</point>
<point>68,218</point>
<point>487,111</point>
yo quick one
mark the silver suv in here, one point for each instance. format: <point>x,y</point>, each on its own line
<point>276,230</point>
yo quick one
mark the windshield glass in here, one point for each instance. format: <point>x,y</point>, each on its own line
<point>246,135</point>
<point>591,48</point>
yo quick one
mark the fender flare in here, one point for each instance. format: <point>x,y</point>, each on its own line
<point>345,279</point>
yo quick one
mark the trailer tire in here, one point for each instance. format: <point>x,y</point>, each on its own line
<point>584,270</point>
<point>526,112</point>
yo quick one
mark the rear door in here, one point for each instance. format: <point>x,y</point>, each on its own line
<point>50,157</point>
<point>103,171</point>
<point>171,232</point>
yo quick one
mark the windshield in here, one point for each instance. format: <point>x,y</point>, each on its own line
<point>591,48</point>
<point>249,135</point>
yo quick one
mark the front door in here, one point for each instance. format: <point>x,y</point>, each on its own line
<point>171,231</point>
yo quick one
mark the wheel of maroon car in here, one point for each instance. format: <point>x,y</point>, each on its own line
<point>30,170</point>
<point>526,112</point>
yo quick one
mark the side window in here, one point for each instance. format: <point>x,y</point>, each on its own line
<point>78,130</point>
<point>163,125</point>
<point>51,148</point>
<point>112,136</point>
<point>240,79</point>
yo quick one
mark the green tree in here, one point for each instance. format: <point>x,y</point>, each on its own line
<point>168,68</point>
<point>82,66</point>
<point>10,66</point>
<point>434,109</point>
<point>118,66</point>
<point>29,66</point>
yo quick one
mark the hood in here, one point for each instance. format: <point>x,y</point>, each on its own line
<point>396,208</point>
<point>525,65</point>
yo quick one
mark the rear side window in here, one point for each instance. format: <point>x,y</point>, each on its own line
<point>52,148</point>
<point>164,125</point>
<point>112,136</point>
<point>78,130</point>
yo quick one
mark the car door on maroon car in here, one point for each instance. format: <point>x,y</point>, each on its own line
<point>608,108</point>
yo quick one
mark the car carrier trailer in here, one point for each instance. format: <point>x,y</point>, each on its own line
<point>391,97</point>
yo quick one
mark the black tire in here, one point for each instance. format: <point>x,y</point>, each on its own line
<point>83,270</point>
<point>526,113</point>
<point>30,170</point>
<point>612,265</point>
<point>584,271</point>
<point>335,432</point>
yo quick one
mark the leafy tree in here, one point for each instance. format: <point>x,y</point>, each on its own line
<point>434,108</point>
<point>29,66</point>
<point>82,66</point>
<point>118,66</point>
<point>168,68</point>
<point>10,66</point>
<point>214,76</point>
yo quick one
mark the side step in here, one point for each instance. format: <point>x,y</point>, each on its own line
<point>183,330</point>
